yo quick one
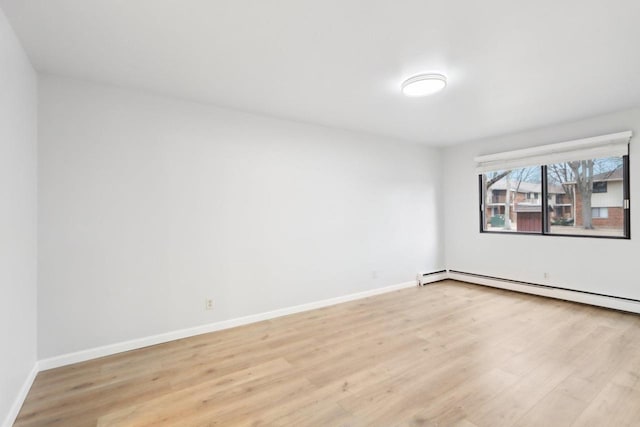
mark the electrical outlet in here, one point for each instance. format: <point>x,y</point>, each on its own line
<point>208,304</point>
<point>374,274</point>
<point>546,276</point>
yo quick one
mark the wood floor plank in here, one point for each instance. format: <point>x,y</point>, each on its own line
<point>447,354</point>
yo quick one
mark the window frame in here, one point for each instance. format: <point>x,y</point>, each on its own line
<point>626,208</point>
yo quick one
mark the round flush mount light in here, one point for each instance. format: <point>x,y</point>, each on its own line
<point>424,84</point>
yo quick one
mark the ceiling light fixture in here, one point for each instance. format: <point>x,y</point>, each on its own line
<point>424,84</point>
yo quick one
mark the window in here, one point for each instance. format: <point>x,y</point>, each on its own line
<point>600,213</point>
<point>578,188</point>
<point>587,212</point>
<point>600,187</point>
<point>512,206</point>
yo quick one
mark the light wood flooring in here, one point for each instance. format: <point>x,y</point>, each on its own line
<point>447,354</point>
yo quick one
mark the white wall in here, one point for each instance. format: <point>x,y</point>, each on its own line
<point>148,205</point>
<point>595,265</point>
<point>18,254</point>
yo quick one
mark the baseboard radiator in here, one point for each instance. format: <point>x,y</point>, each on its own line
<point>435,276</point>
<point>601,300</point>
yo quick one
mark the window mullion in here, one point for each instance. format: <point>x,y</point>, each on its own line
<point>626,196</point>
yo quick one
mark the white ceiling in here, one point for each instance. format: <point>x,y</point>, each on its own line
<point>512,65</point>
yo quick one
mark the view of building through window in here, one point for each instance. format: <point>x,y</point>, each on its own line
<point>583,197</point>
<point>594,196</point>
<point>513,200</point>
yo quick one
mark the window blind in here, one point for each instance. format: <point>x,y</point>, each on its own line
<point>612,145</point>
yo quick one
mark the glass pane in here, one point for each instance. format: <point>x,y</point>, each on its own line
<point>512,200</point>
<point>586,197</point>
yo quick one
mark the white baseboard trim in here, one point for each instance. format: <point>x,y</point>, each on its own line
<point>20,398</point>
<point>107,350</point>
<point>94,353</point>
<point>549,291</point>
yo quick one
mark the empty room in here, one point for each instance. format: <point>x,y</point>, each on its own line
<point>319,213</point>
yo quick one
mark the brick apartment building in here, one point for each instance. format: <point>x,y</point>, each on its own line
<point>526,203</point>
